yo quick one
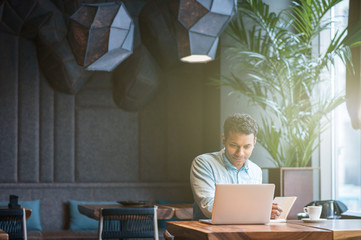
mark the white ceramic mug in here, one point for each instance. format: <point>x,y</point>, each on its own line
<point>314,212</point>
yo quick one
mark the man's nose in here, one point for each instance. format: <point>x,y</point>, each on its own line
<point>240,151</point>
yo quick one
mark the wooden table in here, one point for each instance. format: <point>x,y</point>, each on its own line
<point>181,211</point>
<point>3,235</point>
<point>273,231</point>
<point>342,229</point>
<point>165,211</point>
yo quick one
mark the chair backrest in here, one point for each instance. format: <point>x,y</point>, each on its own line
<point>13,222</point>
<point>128,223</point>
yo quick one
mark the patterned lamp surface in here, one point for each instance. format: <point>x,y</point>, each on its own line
<point>200,24</point>
<point>40,23</point>
<point>157,34</point>
<point>101,35</point>
<point>136,81</point>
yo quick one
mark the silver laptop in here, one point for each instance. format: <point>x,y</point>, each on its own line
<point>242,204</point>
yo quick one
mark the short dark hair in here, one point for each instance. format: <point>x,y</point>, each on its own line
<point>240,123</point>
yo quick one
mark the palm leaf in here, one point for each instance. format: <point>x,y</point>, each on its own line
<point>276,68</point>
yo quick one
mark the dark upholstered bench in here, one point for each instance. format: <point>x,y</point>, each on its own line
<point>70,235</point>
<point>63,235</point>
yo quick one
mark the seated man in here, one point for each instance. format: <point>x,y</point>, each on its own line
<point>228,166</point>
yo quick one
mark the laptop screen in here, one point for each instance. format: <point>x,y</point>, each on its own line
<point>242,203</point>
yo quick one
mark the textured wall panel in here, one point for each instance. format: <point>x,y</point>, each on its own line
<point>184,116</point>
<point>211,109</point>
<point>24,194</point>
<point>54,210</point>
<point>153,139</point>
<point>28,113</point>
<point>97,92</point>
<point>64,137</point>
<point>9,107</point>
<point>46,131</point>
<point>107,146</point>
<point>170,193</point>
<point>96,98</point>
<point>99,80</point>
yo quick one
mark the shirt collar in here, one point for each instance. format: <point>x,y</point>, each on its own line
<point>229,165</point>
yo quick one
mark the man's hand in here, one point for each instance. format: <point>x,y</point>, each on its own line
<point>276,211</point>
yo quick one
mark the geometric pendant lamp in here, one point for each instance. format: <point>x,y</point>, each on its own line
<point>157,33</point>
<point>136,80</point>
<point>101,35</point>
<point>199,25</point>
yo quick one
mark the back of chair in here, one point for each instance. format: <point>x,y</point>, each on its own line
<point>13,222</point>
<point>128,223</point>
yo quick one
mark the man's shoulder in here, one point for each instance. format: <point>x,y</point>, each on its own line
<point>208,161</point>
<point>208,156</point>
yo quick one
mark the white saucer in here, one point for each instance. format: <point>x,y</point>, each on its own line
<point>307,220</point>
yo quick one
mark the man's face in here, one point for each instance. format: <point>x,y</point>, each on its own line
<point>238,147</point>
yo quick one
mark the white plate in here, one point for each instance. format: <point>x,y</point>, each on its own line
<point>307,220</point>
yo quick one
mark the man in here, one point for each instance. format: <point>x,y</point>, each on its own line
<point>231,165</point>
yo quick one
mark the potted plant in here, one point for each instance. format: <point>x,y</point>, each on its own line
<point>279,70</point>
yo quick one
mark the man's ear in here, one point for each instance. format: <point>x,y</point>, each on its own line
<point>255,140</point>
<point>223,139</point>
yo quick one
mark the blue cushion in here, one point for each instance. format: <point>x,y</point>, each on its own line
<point>79,221</point>
<point>33,223</point>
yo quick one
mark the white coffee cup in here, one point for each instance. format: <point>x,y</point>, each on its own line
<point>314,212</point>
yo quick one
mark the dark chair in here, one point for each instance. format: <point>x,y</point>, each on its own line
<point>13,222</point>
<point>118,223</point>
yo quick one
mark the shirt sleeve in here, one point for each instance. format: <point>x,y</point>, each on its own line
<point>203,185</point>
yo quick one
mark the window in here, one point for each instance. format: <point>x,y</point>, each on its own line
<point>346,140</point>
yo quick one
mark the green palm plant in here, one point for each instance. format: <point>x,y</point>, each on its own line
<point>278,69</point>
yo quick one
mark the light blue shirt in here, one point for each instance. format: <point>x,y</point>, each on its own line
<point>213,168</point>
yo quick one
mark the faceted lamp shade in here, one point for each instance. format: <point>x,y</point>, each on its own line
<point>157,35</point>
<point>101,35</point>
<point>200,24</point>
<point>136,81</point>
